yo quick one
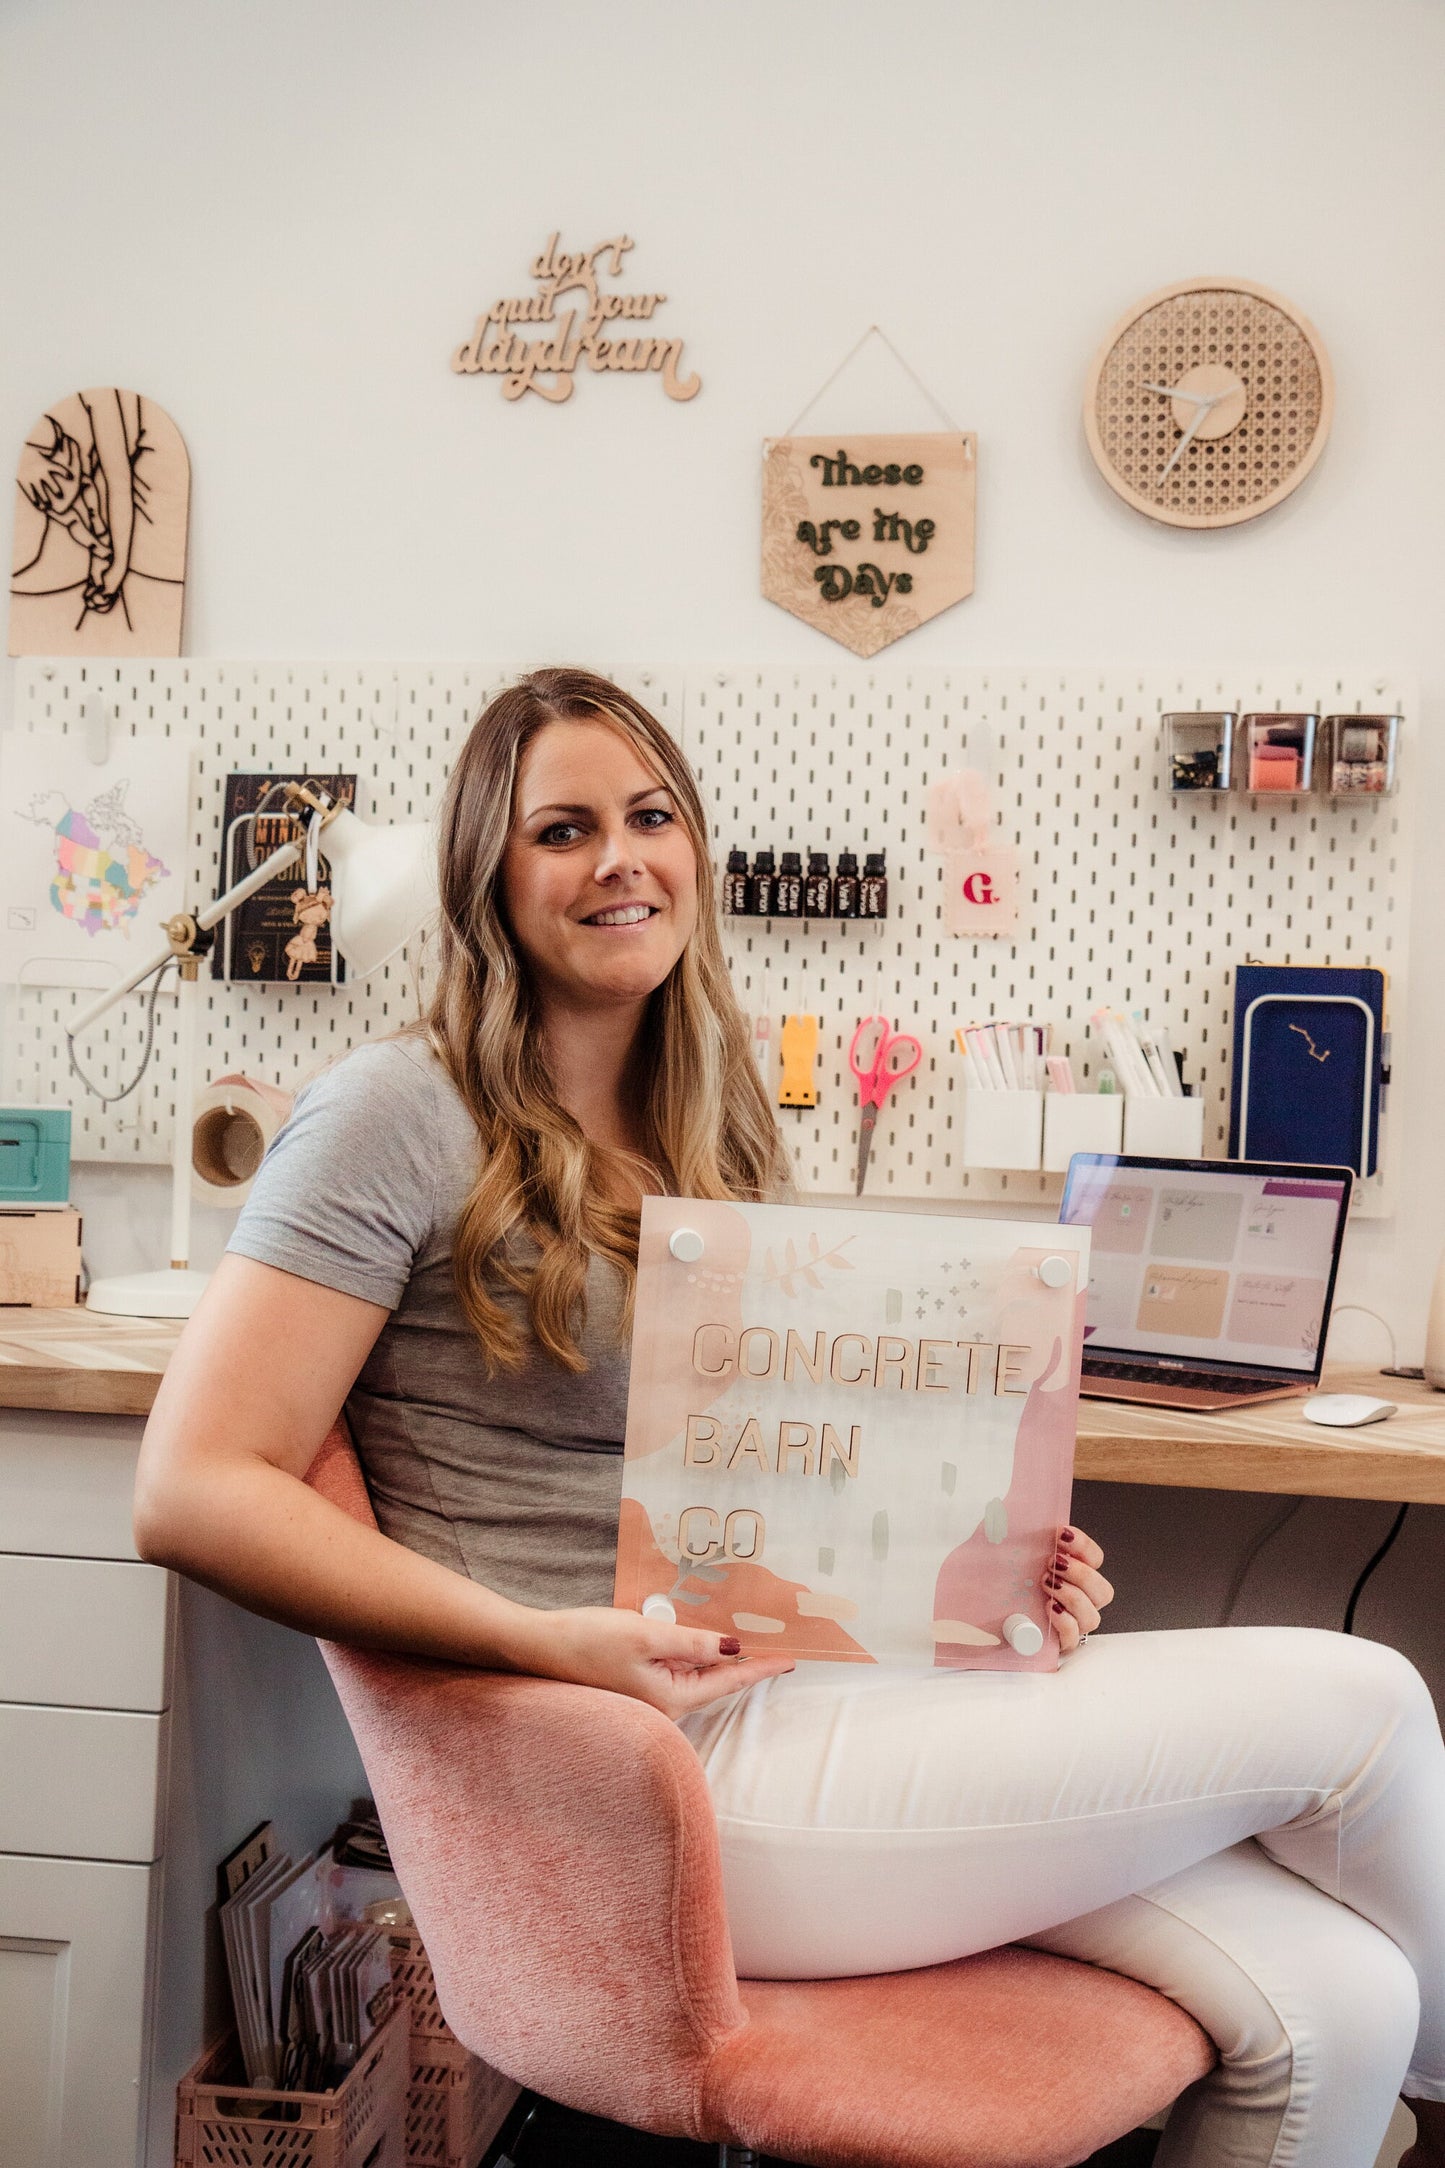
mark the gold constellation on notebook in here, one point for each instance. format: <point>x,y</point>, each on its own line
<point>1315,1054</point>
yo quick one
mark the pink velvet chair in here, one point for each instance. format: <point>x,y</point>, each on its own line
<point>558,1848</point>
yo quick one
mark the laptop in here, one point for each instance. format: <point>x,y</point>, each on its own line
<point>1210,1280</point>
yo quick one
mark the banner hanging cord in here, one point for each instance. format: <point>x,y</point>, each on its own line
<point>874,331</point>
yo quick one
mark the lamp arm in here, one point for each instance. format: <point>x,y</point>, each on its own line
<point>290,854</point>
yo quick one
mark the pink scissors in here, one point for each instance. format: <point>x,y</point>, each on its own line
<point>876,1082</point>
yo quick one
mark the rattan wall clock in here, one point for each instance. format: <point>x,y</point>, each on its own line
<point>1209,403</point>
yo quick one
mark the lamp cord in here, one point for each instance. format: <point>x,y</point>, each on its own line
<point>1365,1311</point>
<point>110,1098</point>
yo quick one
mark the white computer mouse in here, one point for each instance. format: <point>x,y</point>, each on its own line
<point>1343,1411</point>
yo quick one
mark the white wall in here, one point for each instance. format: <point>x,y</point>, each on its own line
<point>280,218</point>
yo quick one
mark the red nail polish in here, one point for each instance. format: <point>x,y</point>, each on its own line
<point>1066,1535</point>
<point>1056,1605</point>
<point>730,1646</point>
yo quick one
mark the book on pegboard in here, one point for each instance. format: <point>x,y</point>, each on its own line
<point>280,935</point>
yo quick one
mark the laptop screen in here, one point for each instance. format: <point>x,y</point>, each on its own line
<point>1212,1261</point>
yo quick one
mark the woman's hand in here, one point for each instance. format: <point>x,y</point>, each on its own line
<point>676,1668</point>
<point>1078,1590</point>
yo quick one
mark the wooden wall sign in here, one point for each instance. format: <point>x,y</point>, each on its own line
<point>502,343</point>
<point>866,538</point>
<point>101,511</point>
<point>851,1434</point>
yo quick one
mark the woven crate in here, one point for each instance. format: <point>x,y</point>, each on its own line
<point>360,2125</point>
<point>456,2103</point>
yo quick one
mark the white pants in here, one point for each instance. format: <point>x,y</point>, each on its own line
<point>1250,1819</point>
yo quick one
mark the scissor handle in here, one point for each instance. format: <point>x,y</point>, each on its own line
<point>879,1079</point>
<point>865,1076</point>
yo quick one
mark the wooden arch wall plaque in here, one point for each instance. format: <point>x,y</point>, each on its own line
<point>101,513</point>
<point>867,537</point>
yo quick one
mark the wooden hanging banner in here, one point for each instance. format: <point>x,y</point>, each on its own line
<point>867,537</point>
<point>500,344</point>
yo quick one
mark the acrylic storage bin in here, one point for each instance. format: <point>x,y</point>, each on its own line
<point>362,2124</point>
<point>455,2102</point>
<point>1002,1129</point>
<point>1277,755</point>
<point>1201,749</point>
<point>1164,1128</point>
<point>1080,1122</point>
<point>1360,755</point>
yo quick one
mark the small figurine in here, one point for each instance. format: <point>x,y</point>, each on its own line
<point>310,908</point>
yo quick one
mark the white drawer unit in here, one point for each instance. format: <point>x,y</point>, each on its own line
<point>85,1633</point>
<point>82,1783</point>
<point>74,1952</point>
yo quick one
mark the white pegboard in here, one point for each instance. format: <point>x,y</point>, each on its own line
<point>395,726</point>
<point>1129,893</point>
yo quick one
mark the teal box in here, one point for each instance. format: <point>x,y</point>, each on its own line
<point>34,1157</point>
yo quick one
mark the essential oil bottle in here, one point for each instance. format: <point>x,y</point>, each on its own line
<point>818,887</point>
<point>873,890</point>
<point>762,886</point>
<point>789,900</point>
<point>846,887</point>
<point>735,885</point>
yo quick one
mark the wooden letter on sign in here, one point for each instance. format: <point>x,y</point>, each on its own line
<point>866,538</point>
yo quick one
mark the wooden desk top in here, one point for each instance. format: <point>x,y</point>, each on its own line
<point>91,1365</point>
<point>1270,1447</point>
<point>83,1364</point>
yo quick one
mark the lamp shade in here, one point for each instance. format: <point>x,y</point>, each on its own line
<point>383,887</point>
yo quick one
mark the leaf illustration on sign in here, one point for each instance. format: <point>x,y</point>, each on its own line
<point>793,1269</point>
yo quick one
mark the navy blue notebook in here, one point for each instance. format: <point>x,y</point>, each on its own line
<point>1308,1065</point>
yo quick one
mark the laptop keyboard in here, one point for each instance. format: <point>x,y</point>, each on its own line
<point>1141,1374</point>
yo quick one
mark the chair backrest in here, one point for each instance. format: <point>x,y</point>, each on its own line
<point>558,1848</point>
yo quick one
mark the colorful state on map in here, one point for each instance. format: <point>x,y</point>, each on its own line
<point>102,867</point>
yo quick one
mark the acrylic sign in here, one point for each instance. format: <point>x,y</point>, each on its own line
<point>850,1434</point>
<point>610,333</point>
<point>866,538</point>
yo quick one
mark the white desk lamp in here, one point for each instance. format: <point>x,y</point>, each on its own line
<point>383,892</point>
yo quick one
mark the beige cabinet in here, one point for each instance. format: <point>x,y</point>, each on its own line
<point>146,1727</point>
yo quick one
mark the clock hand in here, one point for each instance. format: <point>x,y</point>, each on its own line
<point>1189,433</point>
<point>1169,391</point>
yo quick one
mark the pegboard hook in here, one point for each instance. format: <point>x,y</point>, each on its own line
<point>96,717</point>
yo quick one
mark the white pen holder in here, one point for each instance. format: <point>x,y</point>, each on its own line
<point>1164,1128</point>
<point>1002,1129</point>
<point>1080,1122</point>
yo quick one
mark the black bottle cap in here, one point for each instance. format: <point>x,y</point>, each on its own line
<point>791,863</point>
<point>847,862</point>
<point>737,860</point>
<point>873,863</point>
<point>763,863</point>
<point>817,861</point>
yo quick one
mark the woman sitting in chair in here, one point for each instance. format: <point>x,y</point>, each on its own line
<point>443,1238</point>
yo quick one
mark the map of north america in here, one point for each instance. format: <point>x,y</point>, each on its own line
<point>102,866</point>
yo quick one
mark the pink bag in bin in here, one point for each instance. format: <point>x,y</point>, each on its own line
<point>980,878</point>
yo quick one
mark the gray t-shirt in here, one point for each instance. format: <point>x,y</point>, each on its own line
<point>513,1479</point>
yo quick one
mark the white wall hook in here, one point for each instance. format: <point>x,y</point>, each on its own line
<point>96,717</point>
<point>1023,1634</point>
<point>1055,1271</point>
<point>686,1245</point>
<point>660,1607</point>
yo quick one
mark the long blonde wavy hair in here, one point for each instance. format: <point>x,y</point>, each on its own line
<point>708,1126</point>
